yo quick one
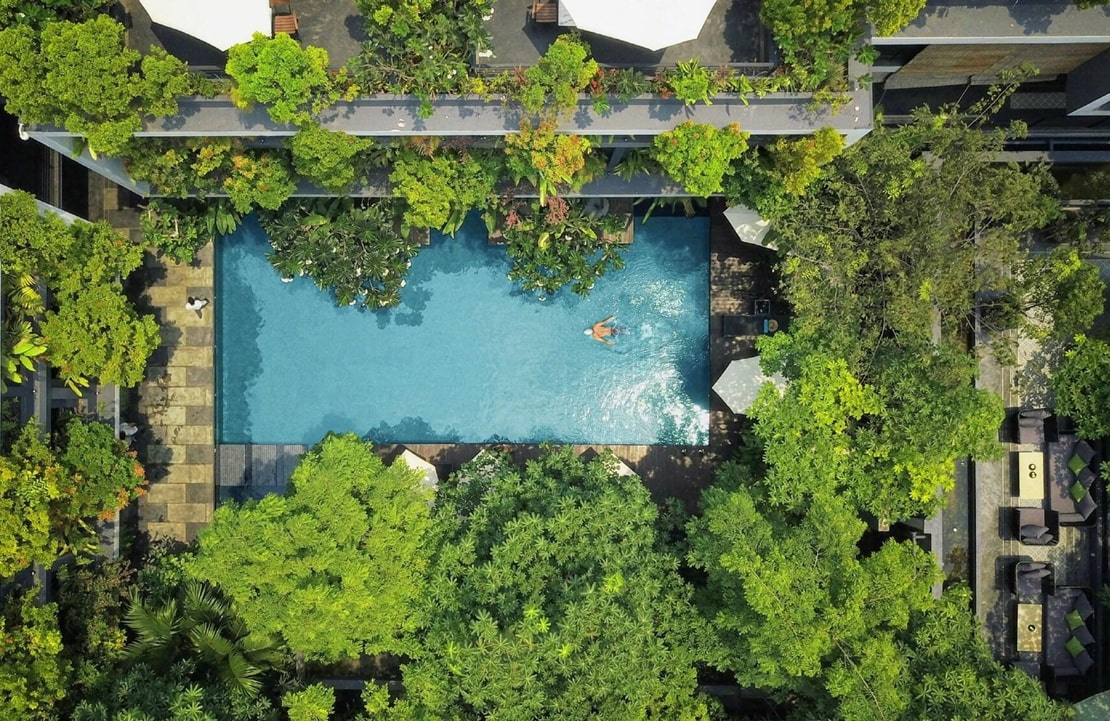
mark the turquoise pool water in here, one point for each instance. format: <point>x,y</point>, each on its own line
<point>467,357</point>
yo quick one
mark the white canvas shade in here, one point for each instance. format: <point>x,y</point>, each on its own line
<point>742,381</point>
<point>749,225</point>
<point>415,462</point>
<point>220,23</point>
<point>652,24</point>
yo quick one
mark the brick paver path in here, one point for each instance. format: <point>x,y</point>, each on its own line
<point>176,402</point>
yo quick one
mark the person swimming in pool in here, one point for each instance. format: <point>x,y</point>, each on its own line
<point>600,331</point>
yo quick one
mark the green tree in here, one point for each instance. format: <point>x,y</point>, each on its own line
<point>699,156</point>
<point>336,566</point>
<point>797,609</point>
<point>1081,388</point>
<point>33,674</point>
<point>549,160</point>
<point>551,600</point>
<point>330,159</point>
<point>289,79</point>
<point>954,673</point>
<point>1068,289</point>
<point>562,72</point>
<point>314,703</point>
<point>258,178</point>
<point>441,188</point>
<point>356,251</point>
<point>798,162</point>
<point>140,693</point>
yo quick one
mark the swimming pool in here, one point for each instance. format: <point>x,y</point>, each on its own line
<point>467,357</point>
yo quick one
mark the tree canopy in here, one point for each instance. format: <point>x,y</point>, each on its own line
<point>552,600</point>
<point>335,567</point>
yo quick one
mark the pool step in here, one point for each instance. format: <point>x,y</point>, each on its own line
<point>246,471</point>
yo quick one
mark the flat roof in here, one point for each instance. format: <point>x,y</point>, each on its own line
<point>978,22</point>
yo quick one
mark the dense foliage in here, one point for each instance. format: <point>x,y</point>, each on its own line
<point>1081,388</point>
<point>83,77</point>
<point>335,566</point>
<point>50,493</point>
<point>549,160</point>
<point>699,156</point>
<point>33,672</point>
<point>292,81</point>
<point>440,186</point>
<point>353,249</point>
<point>179,228</point>
<point>550,599</point>
<point>554,82</point>
<point>88,328</point>
<point>561,244</point>
<point>330,159</point>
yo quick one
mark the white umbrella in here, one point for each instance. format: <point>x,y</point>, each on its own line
<point>749,225</point>
<point>415,462</point>
<point>742,381</point>
<point>220,23</point>
<point>652,24</point>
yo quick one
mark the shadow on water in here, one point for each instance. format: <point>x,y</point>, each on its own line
<point>410,430</point>
<point>239,323</point>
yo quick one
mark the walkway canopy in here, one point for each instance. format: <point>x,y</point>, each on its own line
<point>742,381</point>
<point>652,24</point>
<point>220,23</point>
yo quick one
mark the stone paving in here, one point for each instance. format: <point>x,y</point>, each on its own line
<point>176,401</point>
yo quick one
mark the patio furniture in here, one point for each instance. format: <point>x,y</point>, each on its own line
<point>1030,617</point>
<point>752,325</point>
<point>1070,490</point>
<point>1068,635</point>
<point>545,13</point>
<point>1030,473</point>
<point>1032,579</point>
<point>1036,526</point>
<point>1031,425</point>
<point>286,24</point>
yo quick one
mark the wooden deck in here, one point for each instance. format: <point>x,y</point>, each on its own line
<point>739,275</point>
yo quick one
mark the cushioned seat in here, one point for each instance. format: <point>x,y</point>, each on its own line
<point>1084,451</point>
<point>1086,506</point>
<point>1083,662</point>
<point>1086,477</point>
<point>1083,634</point>
<point>1083,606</point>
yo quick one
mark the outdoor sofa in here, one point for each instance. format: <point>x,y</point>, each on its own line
<point>1071,480</point>
<point>1036,526</point>
<point>1069,631</point>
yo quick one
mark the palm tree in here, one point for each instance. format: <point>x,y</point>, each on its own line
<point>202,625</point>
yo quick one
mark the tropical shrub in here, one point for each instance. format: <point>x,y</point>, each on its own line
<point>1081,388</point>
<point>1065,287</point>
<point>91,608</point>
<point>258,178</point>
<point>82,76</point>
<point>38,13</point>
<point>337,566</point>
<point>797,162</point>
<point>699,156</point>
<point>179,228</point>
<point>563,71</point>
<point>181,168</point>
<point>420,47</point>
<point>329,159</point>
<point>355,250</point>
<point>48,495</point>
<point>292,81</point>
<point>314,703</point>
<point>692,83</point>
<point>440,188</point>
<point>33,674</point>
<point>552,573</point>
<point>549,160</point>
<point>559,244</point>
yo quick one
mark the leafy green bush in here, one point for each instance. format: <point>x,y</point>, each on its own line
<point>1081,388</point>
<point>330,159</point>
<point>258,178</point>
<point>559,244</point>
<point>33,674</point>
<point>548,160</point>
<point>106,475</point>
<point>563,71</point>
<point>336,566</point>
<point>798,162</point>
<point>181,168</point>
<point>441,188</point>
<point>38,13</point>
<point>699,156</point>
<point>289,79</point>
<point>692,83</point>
<point>180,228</point>
<point>82,76</point>
<point>355,251</point>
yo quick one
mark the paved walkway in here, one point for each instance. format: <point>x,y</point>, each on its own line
<point>176,402</point>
